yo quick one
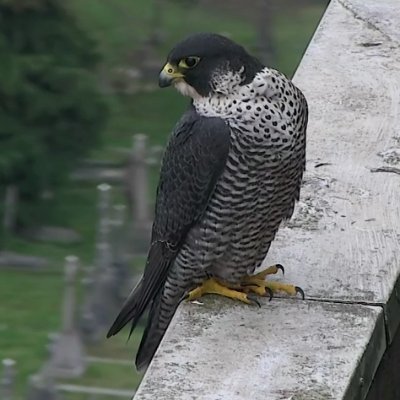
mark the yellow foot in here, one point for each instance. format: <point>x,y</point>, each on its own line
<point>259,286</point>
<point>212,286</point>
<point>262,288</point>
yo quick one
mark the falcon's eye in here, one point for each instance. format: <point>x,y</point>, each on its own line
<point>189,62</point>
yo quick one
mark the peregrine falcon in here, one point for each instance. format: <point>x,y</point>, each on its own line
<point>230,174</point>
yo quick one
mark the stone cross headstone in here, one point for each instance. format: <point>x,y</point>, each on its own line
<point>101,286</point>
<point>89,323</point>
<point>140,179</point>
<point>103,255</point>
<point>7,379</point>
<point>104,202</point>
<point>67,359</point>
<point>138,176</point>
<point>119,215</point>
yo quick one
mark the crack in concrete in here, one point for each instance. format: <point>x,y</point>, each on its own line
<point>350,7</point>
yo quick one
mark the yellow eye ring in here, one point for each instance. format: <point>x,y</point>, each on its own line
<point>189,62</point>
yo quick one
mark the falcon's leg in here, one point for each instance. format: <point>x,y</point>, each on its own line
<point>212,286</point>
<point>257,284</point>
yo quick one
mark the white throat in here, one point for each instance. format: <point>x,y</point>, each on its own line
<point>186,90</point>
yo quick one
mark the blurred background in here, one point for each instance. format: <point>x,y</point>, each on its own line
<point>82,129</point>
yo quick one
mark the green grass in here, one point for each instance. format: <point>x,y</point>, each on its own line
<point>29,309</point>
<point>152,113</point>
<point>112,376</point>
<point>292,32</point>
<point>121,27</point>
<point>30,304</point>
<point>74,207</point>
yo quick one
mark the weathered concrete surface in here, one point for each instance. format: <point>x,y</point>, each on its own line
<point>286,349</point>
<point>342,246</point>
<point>343,243</point>
<point>381,15</point>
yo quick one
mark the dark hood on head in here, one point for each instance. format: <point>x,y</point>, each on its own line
<point>216,53</point>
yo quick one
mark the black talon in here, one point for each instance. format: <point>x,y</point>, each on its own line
<point>253,299</point>
<point>270,292</point>
<point>301,291</point>
<point>280,266</point>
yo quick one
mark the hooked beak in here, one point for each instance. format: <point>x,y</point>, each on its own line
<point>168,74</point>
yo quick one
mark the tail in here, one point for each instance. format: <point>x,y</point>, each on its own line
<point>129,311</point>
<point>160,316</point>
<point>145,291</point>
<point>160,288</point>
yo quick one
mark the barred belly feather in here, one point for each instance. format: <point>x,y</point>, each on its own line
<point>260,183</point>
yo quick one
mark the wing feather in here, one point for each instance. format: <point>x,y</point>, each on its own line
<point>193,161</point>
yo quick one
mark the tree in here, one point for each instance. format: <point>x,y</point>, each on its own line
<point>51,113</point>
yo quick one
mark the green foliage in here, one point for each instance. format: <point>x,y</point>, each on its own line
<point>50,111</point>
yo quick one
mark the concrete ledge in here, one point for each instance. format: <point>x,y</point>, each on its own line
<point>342,246</point>
<point>286,349</point>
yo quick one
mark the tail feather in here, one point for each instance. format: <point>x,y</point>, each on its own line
<point>160,316</point>
<point>129,311</point>
<point>162,292</point>
<point>145,291</point>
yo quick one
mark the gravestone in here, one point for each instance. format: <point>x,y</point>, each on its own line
<point>102,296</point>
<point>138,193</point>
<point>91,323</point>
<point>88,323</point>
<point>10,259</point>
<point>104,205</point>
<point>7,379</point>
<point>102,287</point>
<point>67,358</point>
<point>10,208</point>
<point>120,250</point>
<point>40,388</point>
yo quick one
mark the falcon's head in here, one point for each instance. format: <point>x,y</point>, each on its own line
<point>207,63</point>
